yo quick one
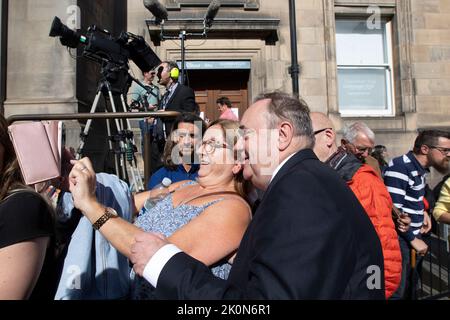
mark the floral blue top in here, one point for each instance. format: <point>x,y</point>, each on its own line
<point>164,218</point>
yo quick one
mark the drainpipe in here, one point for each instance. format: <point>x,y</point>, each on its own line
<point>294,69</point>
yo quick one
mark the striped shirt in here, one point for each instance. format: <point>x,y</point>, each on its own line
<point>405,181</point>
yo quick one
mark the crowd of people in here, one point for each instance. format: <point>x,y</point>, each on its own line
<point>268,207</point>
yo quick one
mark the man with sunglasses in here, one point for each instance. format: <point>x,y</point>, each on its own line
<point>359,139</point>
<point>405,180</point>
<point>369,189</point>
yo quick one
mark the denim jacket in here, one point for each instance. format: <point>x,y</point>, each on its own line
<point>93,268</point>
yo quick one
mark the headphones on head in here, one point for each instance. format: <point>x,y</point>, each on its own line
<point>174,73</point>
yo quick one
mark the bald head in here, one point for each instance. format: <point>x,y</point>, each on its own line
<point>320,121</point>
<point>323,128</point>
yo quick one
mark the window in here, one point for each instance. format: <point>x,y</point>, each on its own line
<point>364,63</point>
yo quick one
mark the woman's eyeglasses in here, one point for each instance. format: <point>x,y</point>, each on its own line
<point>211,145</point>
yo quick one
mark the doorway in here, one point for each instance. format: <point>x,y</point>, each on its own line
<point>209,85</point>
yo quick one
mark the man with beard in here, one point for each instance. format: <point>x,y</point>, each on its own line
<point>405,180</point>
<point>180,159</point>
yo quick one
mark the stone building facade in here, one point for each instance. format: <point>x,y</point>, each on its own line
<point>405,44</point>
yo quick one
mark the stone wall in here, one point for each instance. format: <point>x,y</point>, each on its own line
<point>41,75</point>
<point>421,49</point>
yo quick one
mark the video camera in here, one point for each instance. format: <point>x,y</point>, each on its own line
<point>112,54</point>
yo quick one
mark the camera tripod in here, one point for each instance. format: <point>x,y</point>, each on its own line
<point>124,137</point>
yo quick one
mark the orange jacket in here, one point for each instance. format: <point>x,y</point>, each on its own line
<point>374,197</point>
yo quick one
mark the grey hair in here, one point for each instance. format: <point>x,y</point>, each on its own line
<point>351,131</point>
<point>170,64</point>
<point>284,107</point>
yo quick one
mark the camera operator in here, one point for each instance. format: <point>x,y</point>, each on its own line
<point>177,97</point>
<point>148,99</point>
<point>145,100</point>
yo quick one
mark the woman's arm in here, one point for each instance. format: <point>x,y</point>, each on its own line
<point>441,210</point>
<point>140,198</point>
<point>119,232</point>
<point>20,266</point>
<point>213,235</point>
<point>444,218</point>
<point>216,233</point>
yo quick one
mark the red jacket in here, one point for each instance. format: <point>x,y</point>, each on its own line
<point>374,197</point>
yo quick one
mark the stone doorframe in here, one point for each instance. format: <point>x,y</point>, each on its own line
<point>254,54</point>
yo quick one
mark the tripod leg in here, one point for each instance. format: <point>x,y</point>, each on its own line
<point>139,177</point>
<point>121,156</point>
<point>133,163</point>
<point>134,183</point>
<point>84,134</point>
<point>111,148</point>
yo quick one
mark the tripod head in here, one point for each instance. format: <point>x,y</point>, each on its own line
<point>116,76</point>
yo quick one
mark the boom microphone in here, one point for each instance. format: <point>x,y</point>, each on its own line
<point>157,9</point>
<point>211,12</point>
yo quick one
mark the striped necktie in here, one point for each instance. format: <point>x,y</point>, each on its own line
<point>165,99</point>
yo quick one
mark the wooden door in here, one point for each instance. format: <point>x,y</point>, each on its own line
<point>209,85</point>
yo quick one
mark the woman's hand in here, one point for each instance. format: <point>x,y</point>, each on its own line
<point>82,184</point>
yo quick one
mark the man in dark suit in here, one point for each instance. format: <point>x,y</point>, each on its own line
<point>309,238</point>
<point>177,97</point>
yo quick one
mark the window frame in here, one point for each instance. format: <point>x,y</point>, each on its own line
<point>389,72</point>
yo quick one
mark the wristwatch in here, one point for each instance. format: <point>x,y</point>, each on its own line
<point>109,213</point>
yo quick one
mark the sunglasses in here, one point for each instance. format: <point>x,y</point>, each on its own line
<point>321,130</point>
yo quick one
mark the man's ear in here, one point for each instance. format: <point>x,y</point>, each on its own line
<point>424,149</point>
<point>285,135</point>
<point>329,133</point>
<point>344,143</point>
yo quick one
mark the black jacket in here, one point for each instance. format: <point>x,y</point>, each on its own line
<point>309,239</point>
<point>182,100</point>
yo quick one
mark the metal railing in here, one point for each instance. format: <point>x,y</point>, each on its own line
<point>110,115</point>
<point>434,271</point>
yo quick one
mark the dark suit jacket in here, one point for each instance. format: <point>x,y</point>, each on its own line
<point>182,100</point>
<point>309,239</point>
